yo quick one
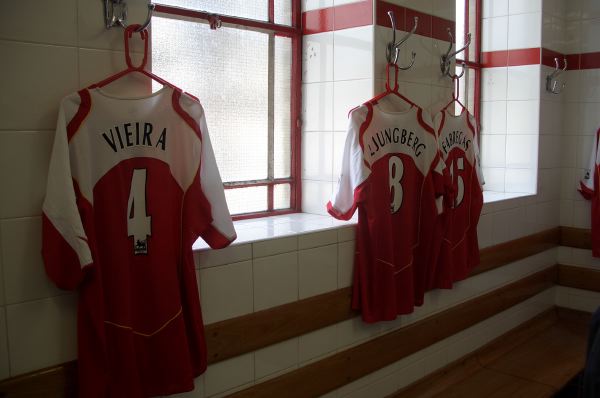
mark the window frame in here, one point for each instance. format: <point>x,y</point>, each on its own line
<point>294,32</point>
<point>475,65</point>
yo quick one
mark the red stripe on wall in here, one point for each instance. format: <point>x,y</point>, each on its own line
<point>574,61</point>
<point>317,21</point>
<point>524,56</point>
<point>491,59</point>
<point>353,15</point>
<point>424,24</point>
<point>439,28</point>
<point>548,57</point>
<point>590,61</point>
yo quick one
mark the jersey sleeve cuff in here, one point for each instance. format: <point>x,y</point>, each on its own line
<point>585,191</point>
<point>215,239</point>
<point>338,214</point>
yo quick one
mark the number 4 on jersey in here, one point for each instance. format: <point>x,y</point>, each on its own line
<point>138,221</point>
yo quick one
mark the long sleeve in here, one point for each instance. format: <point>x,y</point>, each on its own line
<point>65,246</point>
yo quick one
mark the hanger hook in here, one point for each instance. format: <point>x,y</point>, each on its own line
<point>112,19</point>
<point>551,82</point>
<point>446,59</point>
<point>393,47</point>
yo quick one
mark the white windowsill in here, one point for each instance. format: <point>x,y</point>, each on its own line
<point>267,228</point>
<point>260,229</point>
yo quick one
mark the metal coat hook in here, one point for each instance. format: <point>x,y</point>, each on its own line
<point>115,14</point>
<point>551,82</point>
<point>446,59</point>
<point>393,48</point>
<point>214,21</point>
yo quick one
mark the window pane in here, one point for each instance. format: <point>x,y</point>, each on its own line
<point>227,70</point>
<point>255,9</point>
<point>246,200</point>
<point>282,139</point>
<point>281,196</point>
<point>283,12</point>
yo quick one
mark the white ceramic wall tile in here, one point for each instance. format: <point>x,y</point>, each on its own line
<point>24,158</point>
<point>418,5</point>
<point>484,230</point>
<point>494,34</point>
<point>551,117</point>
<point>590,118</point>
<point>354,331</point>
<point>308,5</point>
<point>96,65</point>
<point>525,30</point>
<point>41,333</point>
<point>523,82</point>
<point>590,31</point>
<point>346,251</point>
<point>346,96</point>
<point>317,107</point>
<point>34,105</point>
<point>231,254</point>
<point>4,364</point>
<point>347,233</point>
<point>521,151</point>
<point>591,87</point>
<point>444,9</point>
<point>521,180</point>
<point>225,375</point>
<point>24,274</point>
<point>548,185</point>
<point>566,213</point>
<point>315,195</point>
<point>548,214</point>
<point>574,83</point>
<point>318,343</point>
<point>317,57</point>
<point>520,6</point>
<point>353,53</point>
<point>317,155</point>
<point>493,115</point>
<point>584,150</point>
<point>275,358</point>
<point>275,246</point>
<point>551,152</point>
<point>589,9</point>
<point>40,17</point>
<point>523,117</point>
<point>494,8</point>
<point>582,214</point>
<point>494,84</point>
<point>216,285</point>
<point>92,32</point>
<point>275,280</point>
<point>426,67</point>
<point>317,270</point>
<point>557,8</point>
<point>493,151</point>
<point>316,239</point>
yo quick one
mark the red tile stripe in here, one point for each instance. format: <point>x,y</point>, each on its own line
<point>361,14</point>
<point>539,56</point>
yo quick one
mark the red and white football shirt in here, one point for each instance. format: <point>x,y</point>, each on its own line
<point>393,173</point>
<point>590,189</point>
<point>132,184</point>
<point>458,146</point>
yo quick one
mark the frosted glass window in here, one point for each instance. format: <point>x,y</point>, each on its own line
<point>254,9</point>
<point>283,12</point>
<point>281,196</point>
<point>246,200</point>
<point>282,134</point>
<point>227,69</point>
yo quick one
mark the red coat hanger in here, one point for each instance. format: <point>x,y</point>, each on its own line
<point>389,89</point>
<point>129,31</point>
<point>456,93</point>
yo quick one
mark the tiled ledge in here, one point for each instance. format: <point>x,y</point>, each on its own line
<point>262,229</point>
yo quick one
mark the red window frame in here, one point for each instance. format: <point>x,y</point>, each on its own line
<point>474,65</point>
<point>294,32</point>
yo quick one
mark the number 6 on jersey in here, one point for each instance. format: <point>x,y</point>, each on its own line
<point>396,171</point>
<point>138,221</point>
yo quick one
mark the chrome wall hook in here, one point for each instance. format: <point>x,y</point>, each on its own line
<point>551,82</point>
<point>393,48</point>
<point>115,14</point>
<point>446,59</point>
